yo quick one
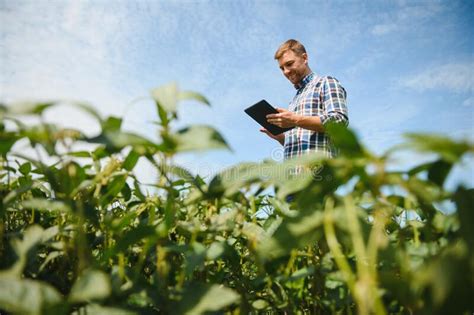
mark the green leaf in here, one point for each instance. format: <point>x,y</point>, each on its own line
<point>26,247</point>
<point>87,108</point>
<point>178,183</point>
<point>234,178</point>
<point>396,200</point>
<point>438,172</point>
<point>137,191</point>
<point>115,141</point>
<point>302,273</point>
<point>99,153</point>
<point>273,222</point>
<point>67,178</point>
<point>199,137</point>
<point>111,124</point>
<point>46,205</point>
<point>51,256</point>
<point>420,168</point>
<point>215,250</point>
<point>163,115</point>
<point>32,236</point>
<point>190,95</point>
<point>449,150</point>
<point>112,189</point>
<point>224,221</point>
<point>292,233</point>
<point>24,296</point>
<point>260,304</point>
<point>91,285</point>
<point>126,192</point>
<point>200,298</point>
<point>103,310</point>
<point>344,139</point>
<point>131,160</point>
<point>181,172</point>
<point>291,184</point>
<point>253,232</point>
<point>80,154</point>
<point>231,180</point>
<point>129,238</point>
<point>42,134</point>
<point>448,278</point>
<point>424,190</point>
<point>14,194</point>
<point>464,199</point>
<point>166,96</point>
<point>7,140</point>
<point>195,258</point>
<point>28,108</point>
<point>25,168</point>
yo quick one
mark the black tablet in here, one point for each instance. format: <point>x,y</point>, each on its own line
<point>259,112</point>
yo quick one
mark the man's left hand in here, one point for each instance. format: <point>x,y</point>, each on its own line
<point>284,118</point>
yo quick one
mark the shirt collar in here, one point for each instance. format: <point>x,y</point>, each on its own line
<point>304,81</point>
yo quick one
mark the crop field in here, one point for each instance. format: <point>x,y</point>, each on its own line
<point>80,234</point>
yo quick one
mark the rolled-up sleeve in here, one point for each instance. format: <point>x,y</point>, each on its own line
<point>334,102</point>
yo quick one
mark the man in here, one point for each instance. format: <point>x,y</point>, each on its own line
<point>318,100</point>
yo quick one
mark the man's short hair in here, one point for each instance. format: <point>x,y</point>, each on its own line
<point>291,44</point>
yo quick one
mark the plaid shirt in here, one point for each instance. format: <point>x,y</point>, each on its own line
<point>316,96</point>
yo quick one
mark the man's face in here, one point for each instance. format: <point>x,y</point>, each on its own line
<point>293,66</point>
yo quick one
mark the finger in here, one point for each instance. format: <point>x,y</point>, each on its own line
<point>281,110</point>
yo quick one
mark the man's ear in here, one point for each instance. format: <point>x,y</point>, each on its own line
<point>305,57</point>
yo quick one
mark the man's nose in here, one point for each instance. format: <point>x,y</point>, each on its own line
<point>286,71</point>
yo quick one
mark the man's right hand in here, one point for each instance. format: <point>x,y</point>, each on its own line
<point>280,138</point>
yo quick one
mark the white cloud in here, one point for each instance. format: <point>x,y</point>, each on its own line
<point>383,128</point>
<point>67,51</point>
<point>72,15</point>
<point>457,77</point>
<point>406,17</point>
<point>367,61</point>
<point>381,29</point>
<point>63,53</point>
<point>469,102</point>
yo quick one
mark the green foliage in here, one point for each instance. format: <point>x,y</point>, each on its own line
<point>80,234</point>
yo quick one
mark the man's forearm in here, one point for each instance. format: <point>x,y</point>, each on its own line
<point>310,123</point>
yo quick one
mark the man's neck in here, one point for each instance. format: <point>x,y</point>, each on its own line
<point>300,84</point>
<point>308,71</point>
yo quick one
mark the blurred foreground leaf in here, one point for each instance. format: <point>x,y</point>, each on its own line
<point>201,298</point>
<point>448,149</point>
<point>91,285</point>
<point>25,296</point>
<point>199,138</point>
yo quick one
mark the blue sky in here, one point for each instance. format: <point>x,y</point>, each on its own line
<point>408,66</point>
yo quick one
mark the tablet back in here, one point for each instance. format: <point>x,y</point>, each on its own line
<point>259,111</point>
